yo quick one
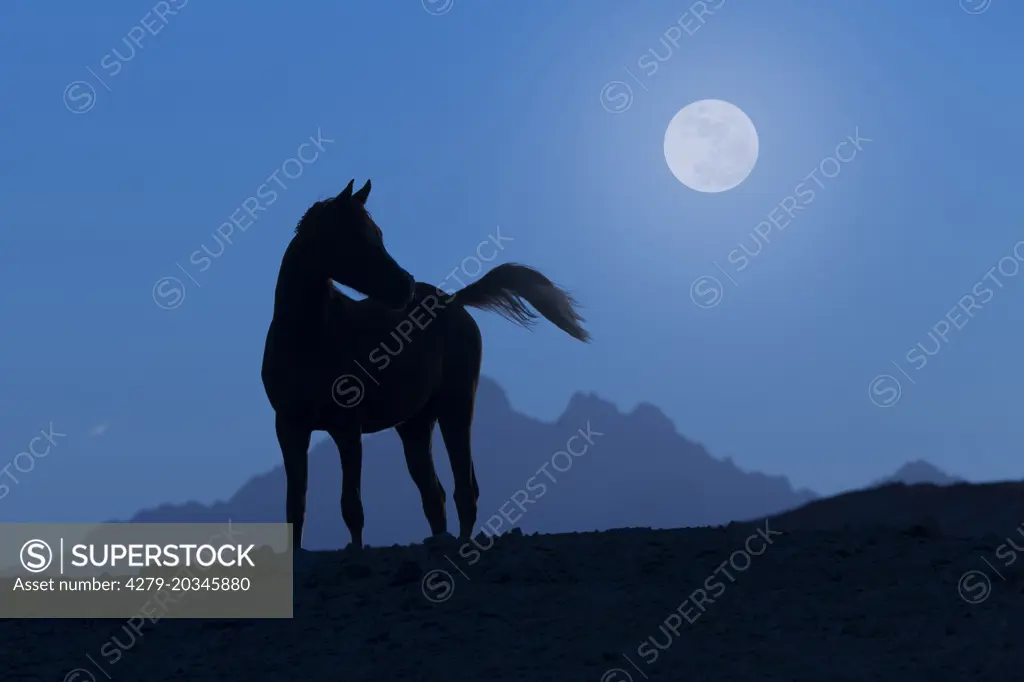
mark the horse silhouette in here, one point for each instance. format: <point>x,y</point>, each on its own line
<point>423,346</point>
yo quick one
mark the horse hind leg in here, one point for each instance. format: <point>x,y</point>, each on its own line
<point>294,442</point>
<point>456,420</point>
<point>416,435</point>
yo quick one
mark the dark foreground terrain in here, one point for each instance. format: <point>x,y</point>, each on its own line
<point>840,593</point>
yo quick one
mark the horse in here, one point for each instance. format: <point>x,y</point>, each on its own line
<point>320,341</point>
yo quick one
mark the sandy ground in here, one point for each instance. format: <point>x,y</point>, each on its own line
<point>851,603</point>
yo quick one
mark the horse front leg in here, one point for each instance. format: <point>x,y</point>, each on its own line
<point>350,449</point>
<point>294,441</point>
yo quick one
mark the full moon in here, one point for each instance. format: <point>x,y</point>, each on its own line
<point>711,145</point>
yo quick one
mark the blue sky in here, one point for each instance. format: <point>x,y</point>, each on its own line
<point>496,115</point>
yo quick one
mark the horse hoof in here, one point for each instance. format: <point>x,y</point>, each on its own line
<point>440,539</point>
<point>353,548</point>
<point>302,562</point>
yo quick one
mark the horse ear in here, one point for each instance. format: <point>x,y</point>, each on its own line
<point>362,194</point>
<point>347,192</point>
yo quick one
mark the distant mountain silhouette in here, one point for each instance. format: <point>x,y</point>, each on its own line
<point>639,472</point>
<point>918,471</point>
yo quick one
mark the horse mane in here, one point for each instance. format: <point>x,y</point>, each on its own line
<point>314,212</point>
<point>311,215</point>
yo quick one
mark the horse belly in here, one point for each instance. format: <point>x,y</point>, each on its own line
<point>399,395</point>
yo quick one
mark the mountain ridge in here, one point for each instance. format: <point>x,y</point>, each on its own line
<point>649,475</point>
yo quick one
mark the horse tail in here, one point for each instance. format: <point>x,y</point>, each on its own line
<point>509,287</point>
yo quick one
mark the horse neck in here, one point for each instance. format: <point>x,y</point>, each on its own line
<point>300,298</point>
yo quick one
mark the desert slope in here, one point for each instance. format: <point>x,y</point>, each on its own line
<point>959,509</point>
<point>843,599</point>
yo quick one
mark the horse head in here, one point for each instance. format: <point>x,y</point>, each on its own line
<point>347,246</point>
